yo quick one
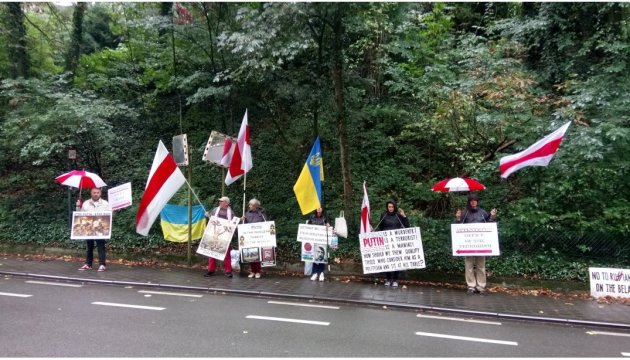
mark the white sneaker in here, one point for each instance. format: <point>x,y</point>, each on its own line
<point>394,284</point>
<point>386,283</point>
<point>251,275</point>
<point>257,276</point>
<point>314,277</point>
<point>321,277</point>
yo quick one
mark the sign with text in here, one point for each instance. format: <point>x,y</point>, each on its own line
<point>392,250</point>
<point>257,242</point>
<point>217,237</point>
<point>314,239</point>
<point>475,239</point>
<point>609,282</point>
<point>120,196</point>
<point>91,225</point>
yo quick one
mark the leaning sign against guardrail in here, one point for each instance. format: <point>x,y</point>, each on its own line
<point>392,250</point>
<point>609,282</point>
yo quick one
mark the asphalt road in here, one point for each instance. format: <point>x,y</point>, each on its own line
<point>59,319</point>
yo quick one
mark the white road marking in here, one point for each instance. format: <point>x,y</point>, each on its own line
<point>607,333</point>
<point>169,293</point>
<point>15,295</point>
<point>128,306</point>
<point>459,319</point>
<point>53,283</point>
<point>310,322</point>
<point>466,338</point>
<point>305,305</point>
<point>625,354</point>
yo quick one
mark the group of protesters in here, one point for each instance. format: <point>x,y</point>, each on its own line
<point>393,218</point>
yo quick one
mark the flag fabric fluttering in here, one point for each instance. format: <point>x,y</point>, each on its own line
<point>228,152</point>
<point>539,154</point>
<point>165,178</point>
<point>308,187</point>
<point>174,222</point>
<point>366,226</point>
<point>241,161</point>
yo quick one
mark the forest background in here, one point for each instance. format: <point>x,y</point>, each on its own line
<point>402,95</point>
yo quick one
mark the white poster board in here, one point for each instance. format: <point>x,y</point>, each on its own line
<point>120,196</point>
<point>217,237</point>
<point>257,242</point>
<point>219,149</point>
<point>91,225</point>
<point>609,282</point>
<point>475,239</point>
<point>180,150</point>
<point>314,239</point>
<point>392,250</point>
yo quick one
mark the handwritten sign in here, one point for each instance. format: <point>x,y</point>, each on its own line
<point>475,239</point>
<point>257,242</point>
<point>609,282</point>
<point>120,196</point>
<point>392,250</point>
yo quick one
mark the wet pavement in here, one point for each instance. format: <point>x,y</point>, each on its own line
<point>273,284</point>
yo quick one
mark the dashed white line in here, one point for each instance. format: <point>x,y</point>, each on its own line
<point>625,354</point>
<point>466,338</point>
<point>300,321</point>
<point>53,283</point>
<point>15,295</point>
<point>459,319</point>
<point>304,305</point>
<point>607,333</point>
<point>128,306</point>
<point>169,293</point>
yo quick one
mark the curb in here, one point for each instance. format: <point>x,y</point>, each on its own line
<point>330,299</point>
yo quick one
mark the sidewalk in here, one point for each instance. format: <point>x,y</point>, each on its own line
<point>421,298</point>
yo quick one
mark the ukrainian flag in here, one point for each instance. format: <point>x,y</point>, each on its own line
<point>174,221</point>
<point>308,188</point>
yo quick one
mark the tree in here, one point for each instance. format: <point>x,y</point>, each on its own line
<point>16,42</point>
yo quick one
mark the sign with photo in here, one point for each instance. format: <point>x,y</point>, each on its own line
<point>90,225</point>
<point>314,252</point>
<point>257,242</point>
<point>392,250</point>
<point>217,237</point>
<point>475,239</point>
<point>609,282</point>
<point>120,196</point>
<point>314,239</point>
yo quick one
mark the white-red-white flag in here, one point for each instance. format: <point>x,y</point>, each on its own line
<point>365,213</point>
<point>165,178</point>
<point>242,158</point>
<point>539,154</point>
<point>228,152</point>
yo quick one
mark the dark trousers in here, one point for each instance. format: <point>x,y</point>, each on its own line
<point>392,275</point>
<point>318,268</point>
<point>89,258</point>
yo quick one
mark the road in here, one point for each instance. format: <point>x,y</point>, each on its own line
<point>65,319</point>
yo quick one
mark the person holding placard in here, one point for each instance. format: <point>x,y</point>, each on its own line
<point>475,266</point>
<point>223,211</point>
<point>392,219</point>
<point>319,266</point>
<point>95,203</point>
<point>255,214</point>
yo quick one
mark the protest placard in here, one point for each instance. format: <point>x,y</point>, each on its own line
<point>90,225</point>
<point>217,236</point>
<point>392,250</point>
<point>609,282</point>
<point>257,242</point>
<point>314,239</point>
<point>120,196</point>
<point>475,239</point>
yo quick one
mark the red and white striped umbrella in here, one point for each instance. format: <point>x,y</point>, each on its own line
<point>81,179</point>
<point>458,184</point>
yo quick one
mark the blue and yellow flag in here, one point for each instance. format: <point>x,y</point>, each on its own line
<point>308,188</point>
<point>174,221</point>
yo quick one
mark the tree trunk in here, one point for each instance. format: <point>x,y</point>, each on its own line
<point>337,74</point>
<point>16,46</point>
<point>74,52</point>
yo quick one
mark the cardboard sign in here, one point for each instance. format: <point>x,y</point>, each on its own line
<point>91,225</point>
<point>257,242</point>
<point>120,196</point>
<point>392,250</point>
<point>475,239</point>
<point>609,282</point>
<point>217,237</point>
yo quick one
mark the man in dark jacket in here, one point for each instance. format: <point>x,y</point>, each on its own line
<point>394,218</point>
<point>475,266</point>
